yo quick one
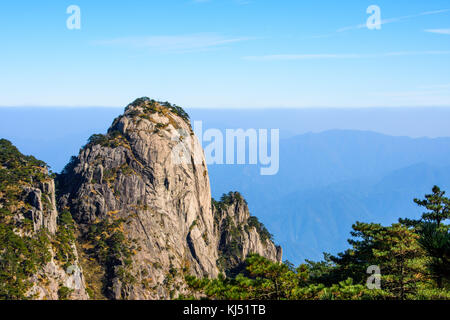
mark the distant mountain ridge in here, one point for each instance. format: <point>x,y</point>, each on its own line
<point>329,180</point>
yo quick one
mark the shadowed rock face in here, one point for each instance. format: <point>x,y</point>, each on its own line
<point>42,217</point>
<point>53,275</point>
<point>140,178</point>
<point>32,263</point>
<point>240,234</point>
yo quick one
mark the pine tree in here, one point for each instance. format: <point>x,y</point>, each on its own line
<point>435,240</point>
<point>434,234</point>
<point>438,206</point>
<point>398,254</point>
<point>409,254</point>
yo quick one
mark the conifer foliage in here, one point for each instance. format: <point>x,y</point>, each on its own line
<point>413,257</point>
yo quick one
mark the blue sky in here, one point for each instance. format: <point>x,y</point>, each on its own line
<point>225,53</point>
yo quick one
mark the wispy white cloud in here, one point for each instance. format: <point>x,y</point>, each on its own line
<point>439,31</point>
<point>275,57</point>
<point>411,53</point>
<point>287,57</point>
<point>409,94</point>
<point>174,43</point>
<point>397,19</point>
<point>436,86</point>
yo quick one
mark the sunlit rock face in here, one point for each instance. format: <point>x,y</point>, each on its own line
<point>147,181</point>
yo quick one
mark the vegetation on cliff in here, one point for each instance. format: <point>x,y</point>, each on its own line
<point>233,229</point>
<point>37,245</point>
<point>17,170</point>
<point>22,251</point>
<point>153,106</point>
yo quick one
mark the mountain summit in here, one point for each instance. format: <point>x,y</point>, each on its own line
<point>143,219</point>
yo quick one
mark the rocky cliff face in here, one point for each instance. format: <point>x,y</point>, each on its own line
<point>148,176</point>
<point>240,234</point>
<point>61,277</point>
<point>36,250</point>
<point>141,201</point>
<point>131,176</point>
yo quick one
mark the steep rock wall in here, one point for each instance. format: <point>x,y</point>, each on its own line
<point>141,197</point>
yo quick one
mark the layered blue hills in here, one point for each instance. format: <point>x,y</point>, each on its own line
<point>328,181</point>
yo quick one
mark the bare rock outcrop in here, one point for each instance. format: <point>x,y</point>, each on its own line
<point>56,279</point>
<point>37,250</point>
<point>240,234</point>
<point>141,197</point>
<point>133,176</point>
<point>43,206</point>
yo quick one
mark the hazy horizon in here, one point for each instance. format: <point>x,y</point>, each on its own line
<point>54,134</point>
